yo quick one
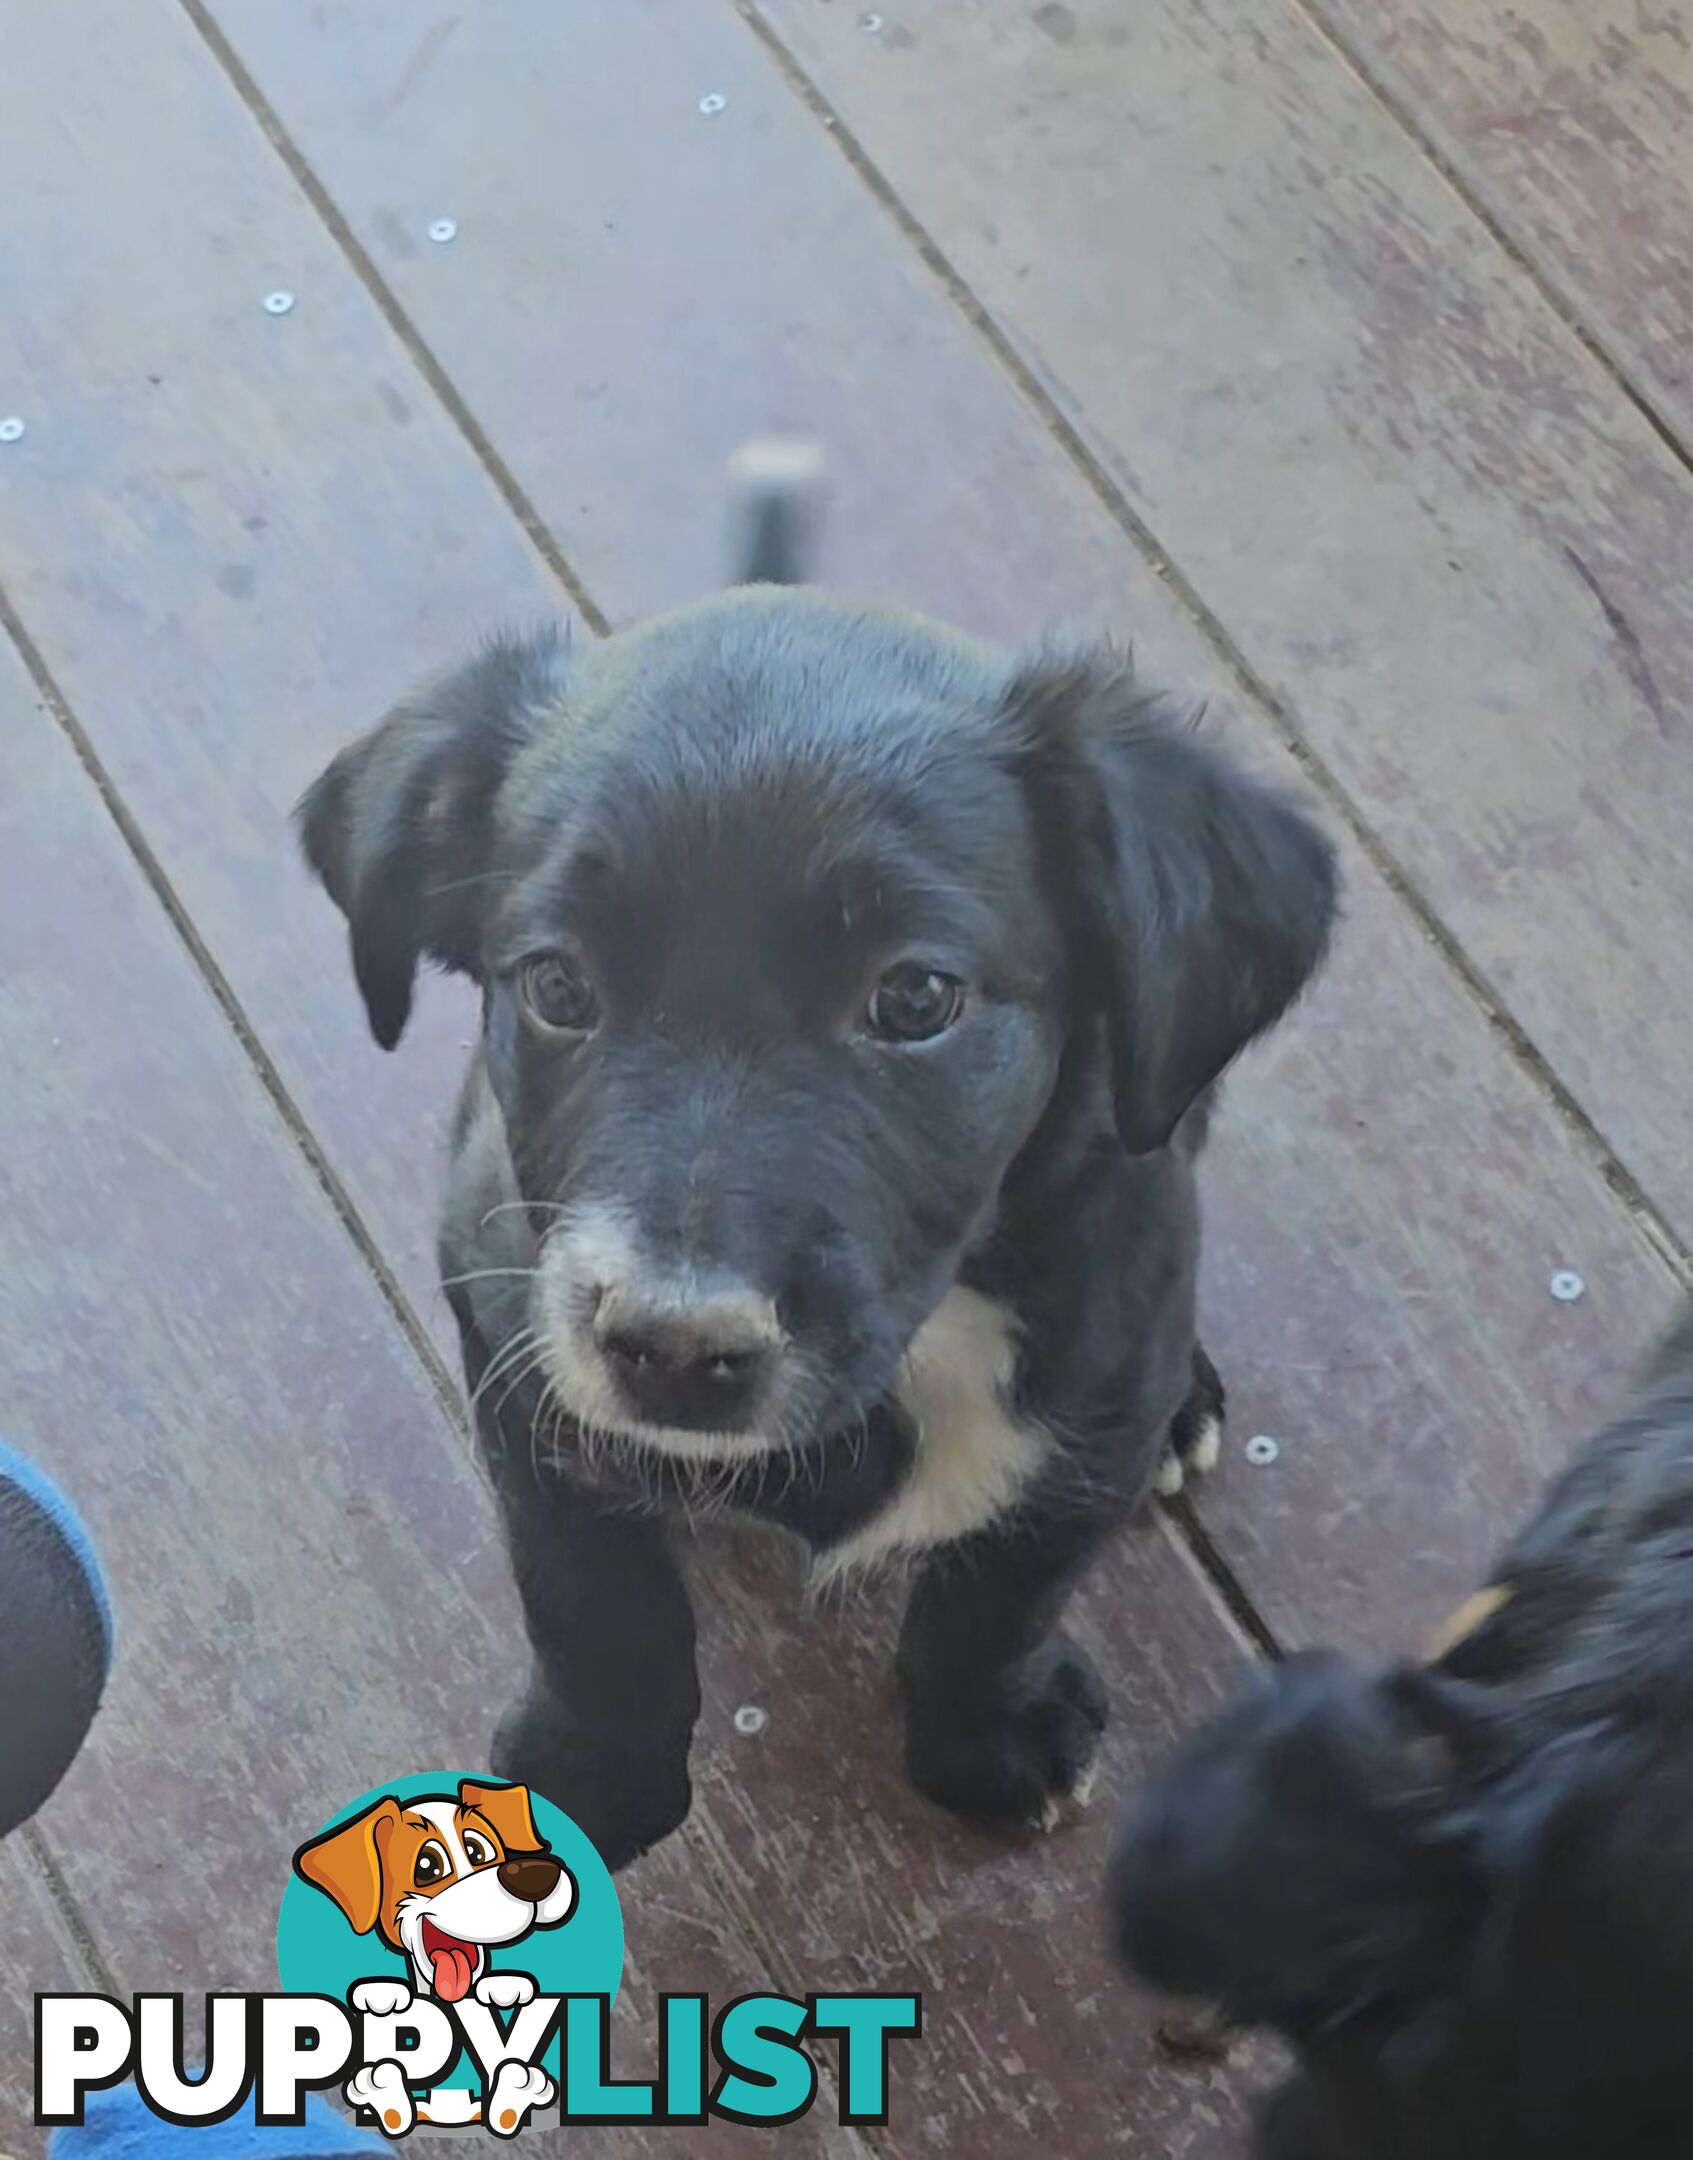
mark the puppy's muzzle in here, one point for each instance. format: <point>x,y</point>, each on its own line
<point>529,1876</point>
<point>701,1366</point>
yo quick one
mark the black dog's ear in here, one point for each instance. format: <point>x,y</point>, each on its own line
<point>1201,898</point>
<point>1457,1730</point>
<point>399,827</point>
<point>1502,1802</point>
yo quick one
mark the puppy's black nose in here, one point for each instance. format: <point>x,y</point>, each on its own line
<point>700,1367</point>
<point>529,1876</point>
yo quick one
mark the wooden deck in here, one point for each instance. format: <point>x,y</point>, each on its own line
<point>1337,352</point>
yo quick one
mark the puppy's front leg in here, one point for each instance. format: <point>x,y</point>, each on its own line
<point>605,1728</point>
<point>1003,1714</point>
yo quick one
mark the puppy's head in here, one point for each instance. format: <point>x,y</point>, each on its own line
<point>443,1877</point>
<point>786,914</point>
<point>1339,1844</point>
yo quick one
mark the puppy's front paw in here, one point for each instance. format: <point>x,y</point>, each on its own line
<point>516,2090</point>
<point>381,1998</point>
<point>1195,1445</point>
<point>504,1990</point>
<point>625,1800</point>
<point>381,2087</point>
<point>1015,1759</point>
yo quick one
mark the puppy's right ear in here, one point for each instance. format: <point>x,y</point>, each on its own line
<point>346,1863</point>
<point>1198,901</point>
<point>400,827</point>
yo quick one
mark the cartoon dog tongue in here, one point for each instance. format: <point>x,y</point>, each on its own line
<point>454,1962</point>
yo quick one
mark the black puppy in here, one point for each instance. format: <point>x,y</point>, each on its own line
<point>1465,1892</point>
<point>852,994</point>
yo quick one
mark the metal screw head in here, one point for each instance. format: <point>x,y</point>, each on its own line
<point>1262,1450</point>
<point>713,102</point>
<point>443,230</point>
<point>278,303</point>
<point>870,24</point>
<point>11,428</point>
<point>1566,1286</point>
<point>750,1719</point>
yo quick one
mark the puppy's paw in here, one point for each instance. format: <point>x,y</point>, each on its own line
<point>517,2090</point>
<point>381,2087</point>
<point>1195,1445</point>
<point>504,1990</point>
<point>381,1998</point>
<point>1172,1475</point>
<point>1016,1760</point>
<point>1205,1451</point>
<point>625,1800</point>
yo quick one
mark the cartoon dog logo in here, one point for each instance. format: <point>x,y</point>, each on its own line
<point>443,1879</point>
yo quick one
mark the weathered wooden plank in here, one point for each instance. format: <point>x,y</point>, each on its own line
<point>303,1565</point>
<point>1570,124</point>
<point>1424,513</point>
<point>1350,1163</point>
<point>40,1955</point>
<point>636,287</point>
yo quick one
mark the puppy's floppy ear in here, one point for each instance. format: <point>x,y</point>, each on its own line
<point>1459,1732</point>
<point>1201,899</point>
<point>400,827</point>
<point>507,1808</point>
<point>346,1863</point>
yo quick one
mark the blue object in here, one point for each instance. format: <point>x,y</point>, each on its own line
<point>118,2125</point>
<point>55,1636</point>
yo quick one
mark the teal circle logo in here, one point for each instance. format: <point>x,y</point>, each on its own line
<point>447,1884</point>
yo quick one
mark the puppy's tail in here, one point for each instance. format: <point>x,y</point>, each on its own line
<point>776,502</point>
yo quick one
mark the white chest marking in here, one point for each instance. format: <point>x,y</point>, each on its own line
<point>974,1455</point>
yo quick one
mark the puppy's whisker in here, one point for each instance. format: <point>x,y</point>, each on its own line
<point>465,884</point>
<point>527,1373</point>
<point>510,1353</point>
<point>483,1274</point>
<point>526,1207</point>
<point>513,1346</point>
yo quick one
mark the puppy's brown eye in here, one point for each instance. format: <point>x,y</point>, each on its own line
<point>475,1851</point>
<point>913,1004</point>
<point>556,992</point>
<point>431,1866</point>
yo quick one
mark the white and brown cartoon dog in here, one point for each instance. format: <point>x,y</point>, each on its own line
<point>441,1879</point>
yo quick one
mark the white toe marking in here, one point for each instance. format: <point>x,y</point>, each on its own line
<point>515,2091</point>
<point>382,1998</point>
<point>1207,1451</point>
<point>381,2087</point>
<point>1172,1475</point>
<point>504,1990</point>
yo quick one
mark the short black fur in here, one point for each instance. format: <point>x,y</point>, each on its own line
<point>730,825</point>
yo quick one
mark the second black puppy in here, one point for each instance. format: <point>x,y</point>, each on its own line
<point>852,994</point>
<point>1465,1893</point>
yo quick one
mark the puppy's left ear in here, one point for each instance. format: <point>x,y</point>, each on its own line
<point>1503,1805</point>
<point>1199,900</point>
<point>507,1808</point>
<point>400,827</point>
<point>346,1863</point>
